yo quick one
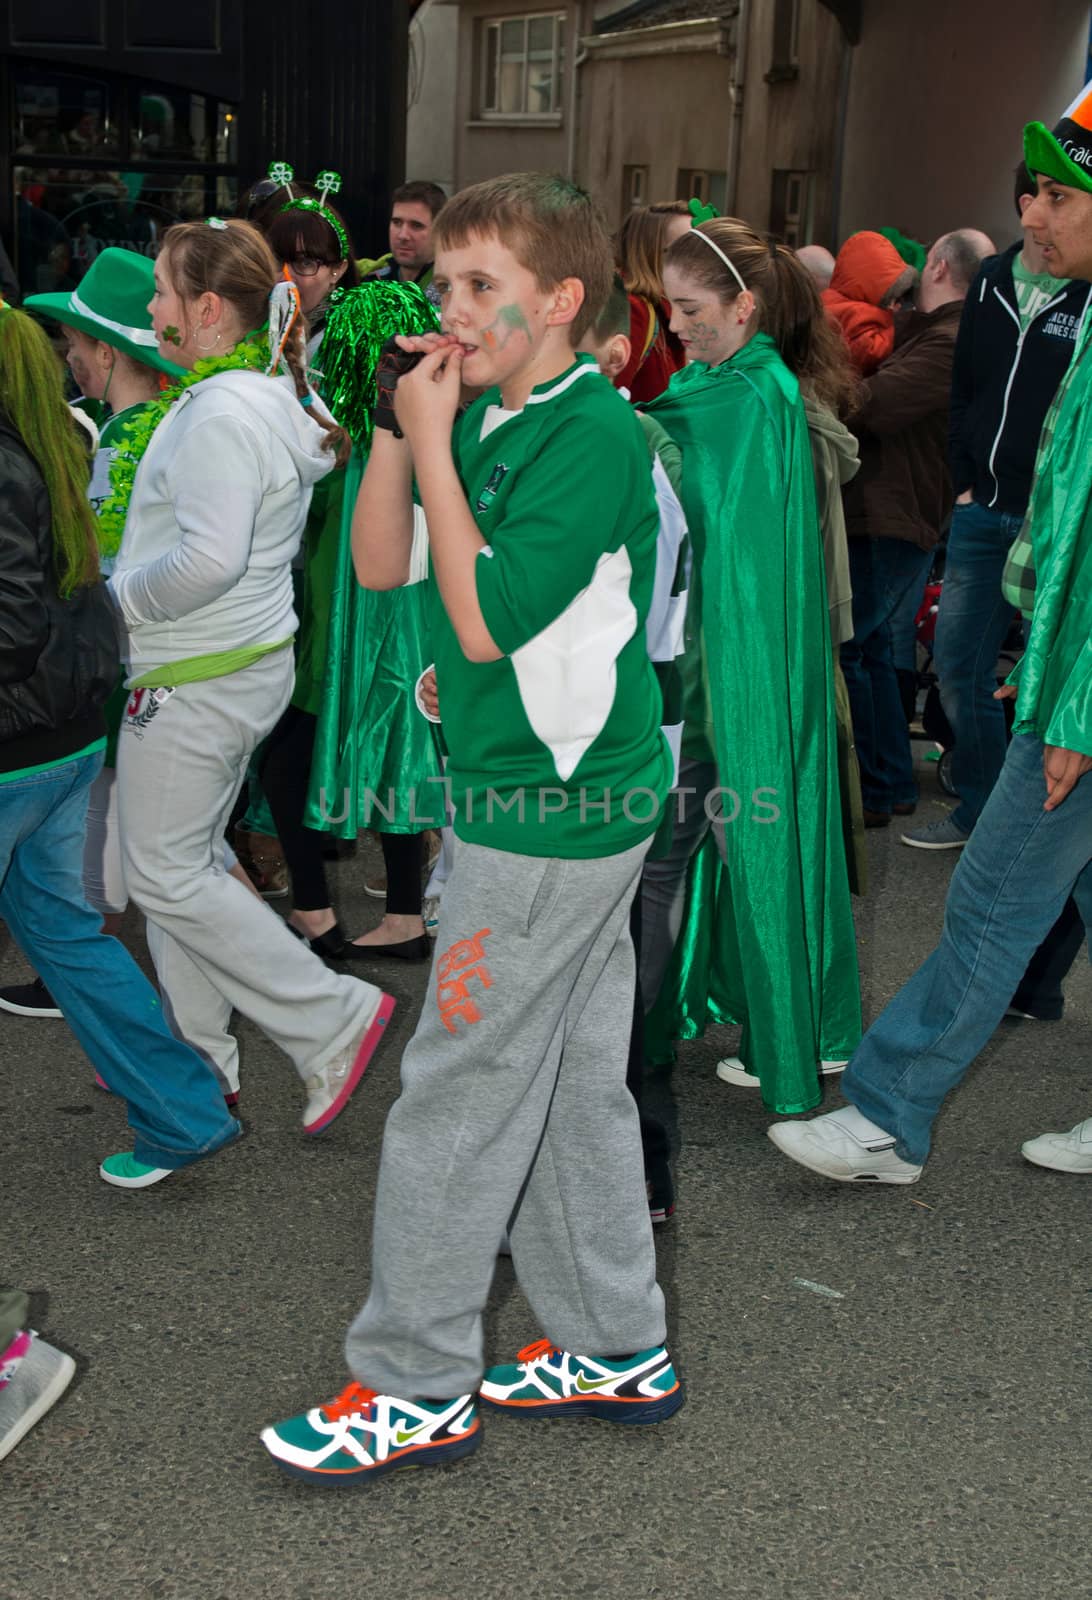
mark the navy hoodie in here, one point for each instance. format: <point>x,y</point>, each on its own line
<point>1003,382</point>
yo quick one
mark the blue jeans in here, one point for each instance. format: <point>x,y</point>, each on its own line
<point>883,573</point>
<point>972,622</point>
<point>175,1105</point>
<point>1013,879</point>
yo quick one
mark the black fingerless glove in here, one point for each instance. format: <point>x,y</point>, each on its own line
<point>394,363</point>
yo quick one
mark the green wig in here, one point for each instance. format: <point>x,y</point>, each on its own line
<point>32,399</point>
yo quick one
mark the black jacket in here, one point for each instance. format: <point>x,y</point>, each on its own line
<point>58,658</point>
<point>1003,383</point>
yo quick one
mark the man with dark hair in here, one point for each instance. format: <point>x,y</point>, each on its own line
<point>896,508</point>
<point>414,208</point>
<point>1016,339</point>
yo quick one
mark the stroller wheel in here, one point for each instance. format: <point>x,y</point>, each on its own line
<point>944,775</point>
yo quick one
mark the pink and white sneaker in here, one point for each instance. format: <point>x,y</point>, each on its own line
<point>330,1087</point>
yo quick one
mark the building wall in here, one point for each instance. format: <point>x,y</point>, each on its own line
<point>791,125</point>
<point>430,117</point>
<point>485,149</point>
<point>939,95</point>
<point>630,116</point>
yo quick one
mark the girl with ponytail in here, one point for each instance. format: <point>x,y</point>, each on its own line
<point>218,492</point>
<point>770,943</point>
<point>58,664</point>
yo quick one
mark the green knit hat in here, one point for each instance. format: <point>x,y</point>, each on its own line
<point>1066,154</point>
<point>111,304</point>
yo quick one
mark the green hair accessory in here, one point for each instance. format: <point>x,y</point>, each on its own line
<point>327,183</point>
<point>700,213</point>
<point>281,174</point>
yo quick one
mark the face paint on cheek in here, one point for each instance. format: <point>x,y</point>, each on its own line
<point>510,323</point>
<point>171,334</point>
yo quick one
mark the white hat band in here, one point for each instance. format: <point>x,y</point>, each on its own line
<point>142,336</point>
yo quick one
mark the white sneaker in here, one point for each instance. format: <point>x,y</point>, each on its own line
<point>732,1070</point>
<point>38,1380</point>
<point>330,1087</point>
<point>430,915</point>
<point>1062,1152</point>
<point>845,1146</point>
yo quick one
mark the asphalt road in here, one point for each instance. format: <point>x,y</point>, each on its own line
<point>888,1389</point>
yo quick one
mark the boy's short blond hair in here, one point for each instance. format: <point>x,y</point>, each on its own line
<point>552,227</point>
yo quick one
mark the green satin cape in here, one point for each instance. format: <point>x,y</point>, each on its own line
<point>768,940</point>
<point>377,761</point>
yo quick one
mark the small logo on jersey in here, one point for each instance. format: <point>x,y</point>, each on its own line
<point>489,493</point>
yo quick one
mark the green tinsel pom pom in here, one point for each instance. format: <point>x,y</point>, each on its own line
<point>360,322</point>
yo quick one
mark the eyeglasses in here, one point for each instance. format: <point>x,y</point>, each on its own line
<point>308,266</point>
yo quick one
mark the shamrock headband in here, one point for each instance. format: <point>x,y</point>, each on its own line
<point>327,183</point>
<point>700,214</point>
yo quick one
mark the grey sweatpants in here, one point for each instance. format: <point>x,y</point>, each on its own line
<point>514,1105</point>
<point>182,759</point>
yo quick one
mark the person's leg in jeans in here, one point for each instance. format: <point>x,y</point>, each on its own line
<point>1015,875</point>
<point>175,1107</point>
<point>1039,993</point>
<point>882,572</point>
<point>972,622</point>
<point>215,945</point>
<point>502,1049</point>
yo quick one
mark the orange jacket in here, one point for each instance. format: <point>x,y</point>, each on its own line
<point>864,270</point>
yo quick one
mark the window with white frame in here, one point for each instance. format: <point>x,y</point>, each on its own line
<point>523,64</point>
<point>791,200</point>
<point>695,183</point>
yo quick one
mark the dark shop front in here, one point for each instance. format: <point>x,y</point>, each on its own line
<point>119,117</point>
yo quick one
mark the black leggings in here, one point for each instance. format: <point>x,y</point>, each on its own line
<point>285,773</point>
<point>403,857</point>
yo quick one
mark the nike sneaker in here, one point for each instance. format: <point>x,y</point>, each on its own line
<point>361,1435</point>
<point>547,1382</point>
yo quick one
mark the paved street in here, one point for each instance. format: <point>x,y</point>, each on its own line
<point>888,1389</point>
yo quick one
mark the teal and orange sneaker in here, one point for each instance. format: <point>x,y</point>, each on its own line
<point>547,1382</point>
<point>361,1435</point>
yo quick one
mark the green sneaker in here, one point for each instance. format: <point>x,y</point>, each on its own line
<point>124,1171</point>
<point>361,1435</point>
<point>547,1382</point>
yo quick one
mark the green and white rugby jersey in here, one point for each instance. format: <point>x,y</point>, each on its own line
<point>555,749</point>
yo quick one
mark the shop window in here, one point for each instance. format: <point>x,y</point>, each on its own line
<point>63,220</point>
<point>62,114</point>
<point>522,67</point>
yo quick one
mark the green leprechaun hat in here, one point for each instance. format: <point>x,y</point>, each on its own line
<point>111,304</point>
<point>1066,154</point>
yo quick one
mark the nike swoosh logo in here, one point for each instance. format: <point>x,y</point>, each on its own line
<point>401,1436</point>
<point>585,1387</point>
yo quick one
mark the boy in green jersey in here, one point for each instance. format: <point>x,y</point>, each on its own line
<point>514,1112</point>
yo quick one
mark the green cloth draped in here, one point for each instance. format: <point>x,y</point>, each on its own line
<point>377,761</point>
<point>768,940</point>
<point>1055,671</point>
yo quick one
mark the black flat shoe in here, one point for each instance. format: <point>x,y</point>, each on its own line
<point>419,949</point>
<point>329,946</point>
